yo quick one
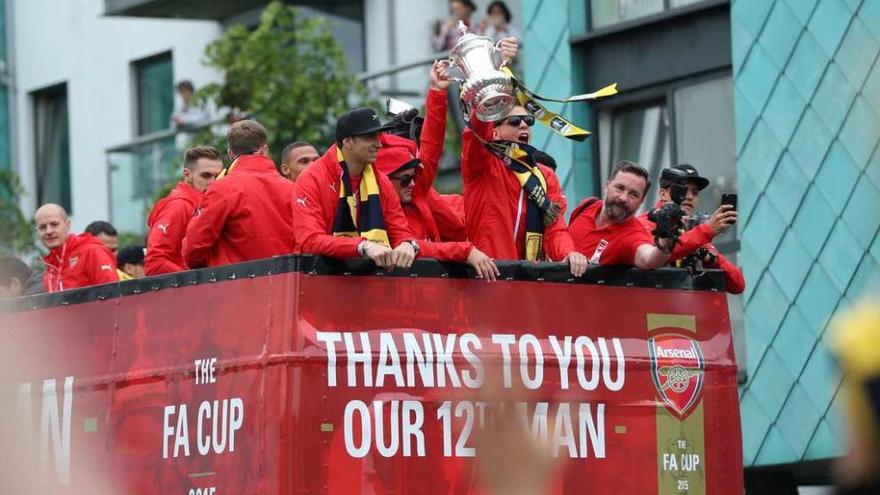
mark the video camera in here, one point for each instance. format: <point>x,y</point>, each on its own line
<point>405,120</point>
<point>669,218</point>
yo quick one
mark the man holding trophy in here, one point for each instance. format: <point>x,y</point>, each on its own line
<point>514,205</point>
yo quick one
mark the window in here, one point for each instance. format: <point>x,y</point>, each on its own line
<point>154,83</point>
<point>52,146</point>
<point>698,118</point>
<point>704,137</point>
<point>693,124</point>
<point>607,12</point>
<point>639,134</point>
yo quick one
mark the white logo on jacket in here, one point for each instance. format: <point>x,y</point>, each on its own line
<point>597,254</point>
<point>163,227</point>
<point>302,201</point>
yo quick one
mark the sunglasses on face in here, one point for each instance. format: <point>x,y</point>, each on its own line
<point>406,180</point>
<point>516,120</point>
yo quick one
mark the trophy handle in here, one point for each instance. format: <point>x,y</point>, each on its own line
<point>498,55</point>
<point>455,73</point>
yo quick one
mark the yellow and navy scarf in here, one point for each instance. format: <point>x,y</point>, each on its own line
<point>541,212</point>
<point>370,225</point>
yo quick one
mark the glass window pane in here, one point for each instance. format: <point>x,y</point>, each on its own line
<point>52,146</point>
<point>639,134</point>
<point>704,138</point>
<point>607,12</point>
<point>682,3</point>
<point>139,175</point>
<point>155,93</point>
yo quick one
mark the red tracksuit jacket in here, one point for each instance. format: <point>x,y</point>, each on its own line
<point>418,212</point>
<point>167,227</point>
<point>317,197</point>
<point>246,215</point>
<point>447,209</point>
<point>495,203</point>
<point>697,237</point>
<point>80,262</point>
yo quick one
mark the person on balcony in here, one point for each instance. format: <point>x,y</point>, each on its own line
<point>246,214</point>
<point>496,24</point>
<point>344,208</point>
<point>73,260</point>
<point>296,157</point>
<point>695,245</point>
<point>170,216</point>
<point>188,115</point>
<point>609,229</point>
<point>446,33</point>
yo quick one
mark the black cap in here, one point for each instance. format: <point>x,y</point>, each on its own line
<point>130,254</point>
<point>691,175</point>
<point>358,122</point>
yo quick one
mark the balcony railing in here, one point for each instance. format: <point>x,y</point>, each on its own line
<point>140,171</point>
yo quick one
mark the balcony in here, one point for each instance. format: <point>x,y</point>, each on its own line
<point>142,171</point>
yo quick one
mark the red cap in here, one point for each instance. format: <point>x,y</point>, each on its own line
<point>397,153</point>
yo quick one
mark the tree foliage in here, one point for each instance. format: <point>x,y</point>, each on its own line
<point>289,73</point>
<point>16,230</point>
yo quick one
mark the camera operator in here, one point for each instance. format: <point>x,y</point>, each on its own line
<point>694,249</point>
<point>609,231</point>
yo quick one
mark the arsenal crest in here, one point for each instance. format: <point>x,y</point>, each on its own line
<point>677,367</point>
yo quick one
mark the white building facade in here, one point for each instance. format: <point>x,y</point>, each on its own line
<point>74,69</point>
<point>91,89</point>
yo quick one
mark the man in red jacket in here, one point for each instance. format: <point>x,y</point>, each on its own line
<point>503,219</point>
<point>295,157</point>
<point>448,209</point>
<point>345,209</point>
<point>246,214</point>
<point>397,160</point>
<point>73,260</point>
<point>169,218</point>
<point>610,230</point>
<point>701,235</point>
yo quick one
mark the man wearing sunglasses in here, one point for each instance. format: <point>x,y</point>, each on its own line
<point>397,159</point>
<point>501,199</point>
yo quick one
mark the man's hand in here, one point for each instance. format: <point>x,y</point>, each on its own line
<point>577,262</point>
<point>509,48</point>
<point>381,255</point>
<point>722,219</point>
<point>403,256</point>
<point>483,264</point>
<point>439,75</point>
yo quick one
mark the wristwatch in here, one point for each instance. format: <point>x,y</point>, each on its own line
<point>415,246</point>
<point>363,246</point>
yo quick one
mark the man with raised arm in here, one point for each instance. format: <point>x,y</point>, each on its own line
<point>398,161</point>
<point>514,208</point>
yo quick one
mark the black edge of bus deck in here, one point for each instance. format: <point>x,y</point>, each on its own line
<point>663,278</point>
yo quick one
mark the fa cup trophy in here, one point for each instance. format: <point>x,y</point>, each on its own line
<point>485,88</point>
